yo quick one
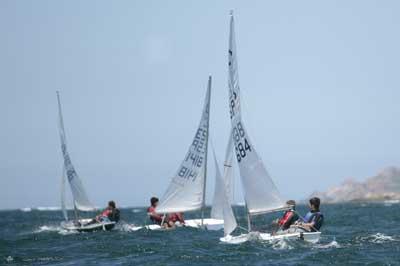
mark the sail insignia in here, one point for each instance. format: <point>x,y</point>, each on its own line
<point>261,194</point>
<point>81,200</point>
<point>187,188</point>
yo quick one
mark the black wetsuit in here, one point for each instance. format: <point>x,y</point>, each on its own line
<point>114,215</point>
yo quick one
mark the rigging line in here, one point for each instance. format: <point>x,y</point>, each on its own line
<point>245,229</point>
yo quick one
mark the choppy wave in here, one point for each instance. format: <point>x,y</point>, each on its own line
<point>332,244</point>
<point>48,228</point>
<point>121,226</point>
<point>126,227</point>
<point>48,208</point>
<point>377,238</point>
<point>54,228</point>
<point>282,244</point>
<point>41,260</point>
<point>359,240</point>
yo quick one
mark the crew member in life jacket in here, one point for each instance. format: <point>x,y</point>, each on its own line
<point>155,217</point>
<point>110,214</point>
<point>313,220</point>
<point>176,217</point>
<point>289,217</point>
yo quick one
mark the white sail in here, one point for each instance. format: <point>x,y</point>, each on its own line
<point>187,188</point>
<point>224,188</point>
<point>261,194</point>
<point>221,208</point>
<point>81,199</point>
<point>63,207</point>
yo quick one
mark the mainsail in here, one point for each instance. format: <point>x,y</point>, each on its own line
<point>63,207</point>
<point>81,200</point>
<point>221,208</point>
<point>261,194</point>
<point>187,188</point>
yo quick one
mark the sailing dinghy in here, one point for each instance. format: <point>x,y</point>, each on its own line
<point>260,193</point>
<point>80,199</point>
<point>187,189</point>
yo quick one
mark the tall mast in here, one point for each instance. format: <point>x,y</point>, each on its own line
<point>61,120</point>
<point>248,220</point>
<point>206,151</point>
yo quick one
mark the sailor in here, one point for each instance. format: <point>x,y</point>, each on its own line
<point>176,217</point>
<point>313,220</point>
<point>289,217</point>
<point>114,215</point>
<point>110,214</point>
<point>155,217</point>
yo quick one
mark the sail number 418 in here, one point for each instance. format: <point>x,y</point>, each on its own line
<point>241,143</point>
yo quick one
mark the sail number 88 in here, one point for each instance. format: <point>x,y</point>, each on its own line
<point>241,143</point>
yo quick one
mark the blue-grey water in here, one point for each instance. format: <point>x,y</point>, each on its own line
<point>353,234</point>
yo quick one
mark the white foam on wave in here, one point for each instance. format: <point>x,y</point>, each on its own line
<point>47,228</point>
<point>333,244</point>
<point>126,227</point>
<point>65,232</point>
<point>378,238</point>
<point>48,208</point>
<point>27,209</point>
<point>281,244</point>
<point>136,210</point>
<point>54,228</point>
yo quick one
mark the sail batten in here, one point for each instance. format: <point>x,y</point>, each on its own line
<point>261,194</point>
<point>186,190</point>
<point>79,195</point>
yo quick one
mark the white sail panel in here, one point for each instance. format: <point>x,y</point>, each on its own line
<point>63,207</point>
<point>261,194</point>
<point>226,185</point>
<point>187,187</point>
<point>81,199</point>
<point>221,208</point>
<point>217,211</point>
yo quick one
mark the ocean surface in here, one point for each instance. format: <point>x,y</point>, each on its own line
<point>353,234</point>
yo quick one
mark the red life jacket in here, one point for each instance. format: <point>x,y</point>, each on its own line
<point>153,215</point>
<point>286,217</point>
<point>176,217</point>
<point>106,212</point>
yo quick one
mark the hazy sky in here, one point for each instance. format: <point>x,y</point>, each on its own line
<point>320,88</point>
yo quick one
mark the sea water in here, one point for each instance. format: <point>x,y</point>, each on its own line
<point>356,233</point>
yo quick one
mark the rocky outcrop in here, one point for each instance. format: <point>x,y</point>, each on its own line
<point>384,186</point>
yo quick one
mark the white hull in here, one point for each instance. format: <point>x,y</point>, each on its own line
<point>312,237</point>
<point>83,227</point>
<point>209,224</point>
